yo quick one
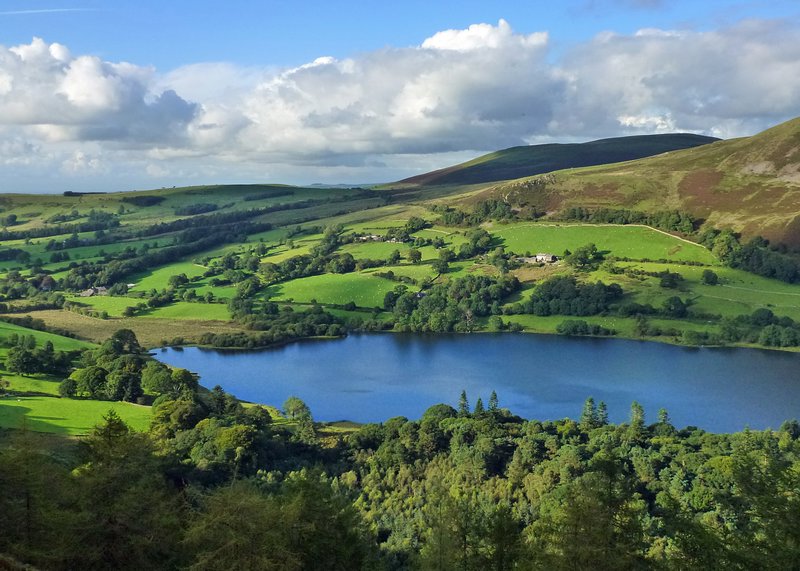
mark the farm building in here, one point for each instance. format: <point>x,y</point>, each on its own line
<point>539,259</point>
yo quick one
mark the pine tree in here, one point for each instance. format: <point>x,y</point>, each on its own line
<point>602,414</point>
<point>494,405</point>
<point>479,407</point>
<point>589,415</point>
<point>463,404</point>
<point>636,428</point>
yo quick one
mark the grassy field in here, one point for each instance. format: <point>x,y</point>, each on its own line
<point>158,278</point>
<point>635,242</point>
<point>59,342</point>
<point>738,293</point>
<point>150,331</point>
<point>66,416</point>
<point>115,306</point>
<point>362,288</point>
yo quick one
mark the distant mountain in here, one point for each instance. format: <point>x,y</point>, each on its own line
<point>751,184</point>
<point>518,162</point>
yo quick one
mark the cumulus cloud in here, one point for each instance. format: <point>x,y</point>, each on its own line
<point>477,89</point>
<point>727,83</point>
<point>85,98</point>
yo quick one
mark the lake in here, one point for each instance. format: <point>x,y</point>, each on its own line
<point>373,377</point>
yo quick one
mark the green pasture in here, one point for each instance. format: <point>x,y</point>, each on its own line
<point>115,306</point>
<point>375,250</point>
<point>203,286</point>
<point>66,416</point>
<point>414,271</point>
<point>59,342</point>
<point>158,278</point>
<point>635,242</point>
<point>738,293</point>
<point>191,311</point>
<point>40,384</point>
<point>284,252</point>
<point>364,289</point>
<point>624,326</point>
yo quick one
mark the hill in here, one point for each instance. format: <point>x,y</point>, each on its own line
<point>518,162</point>
<point>751,185</point>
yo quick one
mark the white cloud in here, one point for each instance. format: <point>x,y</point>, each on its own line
<point>84,98</point>
<point>458,92</point>
<point>83,163</point>
<point>480,36</point>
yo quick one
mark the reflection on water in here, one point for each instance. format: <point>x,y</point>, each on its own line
<point>370,378</point>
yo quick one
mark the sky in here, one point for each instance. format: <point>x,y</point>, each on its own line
<point>110,96</point>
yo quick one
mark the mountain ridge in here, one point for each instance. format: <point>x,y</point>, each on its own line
<point>522,161</point>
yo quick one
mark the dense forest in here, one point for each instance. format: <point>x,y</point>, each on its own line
<point>219,484</point>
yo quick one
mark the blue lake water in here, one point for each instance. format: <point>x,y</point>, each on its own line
<point>373,377</point>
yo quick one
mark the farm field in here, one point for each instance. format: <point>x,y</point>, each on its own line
<point>738,292</point>
<point>635,242</point>
<point>158,278</point>
<point>60,343</point>
<point>150,331</point>
<point>66,416</point>
<point>115,306</point>
<point>364,289</point>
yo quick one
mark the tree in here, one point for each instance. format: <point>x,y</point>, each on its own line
<point>479,410</point>
<point>709,278</point>
<point>296,409</point>
<point>177,281</point>
<point>588,418</point>
<point>440,266</point>
<point>636,427</point>
<point>156,378</point>
<point>21,360</point>
<point>129,516</point>
<point>463,404</point>
<point>91,381</point>
<point>675,307</point>
<point>239,527</point>
<point>68,388</point>
<point>394,257</point>
<point>602,413</point>
<point>446,255</point>
<point>123,385</point>
<point>585,256</point>
<point>414,256</point>
<point>494,405</point>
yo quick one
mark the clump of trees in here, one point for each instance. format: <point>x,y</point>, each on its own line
<point>564,295</point>
<point>452,306</point>
<point>25,358</point>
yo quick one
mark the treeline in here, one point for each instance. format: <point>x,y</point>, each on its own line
<point>483,211</point>
<point>755,256</point>
<point>196,208</point>
<point>97,220</point>
<point>23,356</point>
<point>191,241</point>
<point>670,220</point>
<point>273,326</point>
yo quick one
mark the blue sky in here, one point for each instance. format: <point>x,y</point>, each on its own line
<point>117,95</point>
<point>169,34</point>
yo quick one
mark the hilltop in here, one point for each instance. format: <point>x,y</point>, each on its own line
<point>529,160</point>
<point>751,185</point>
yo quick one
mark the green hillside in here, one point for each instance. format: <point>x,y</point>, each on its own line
<point>751,185</point>
<point>518,162</point>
